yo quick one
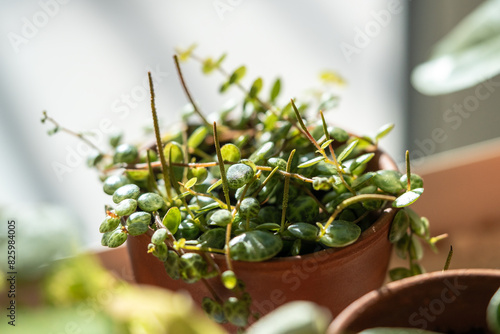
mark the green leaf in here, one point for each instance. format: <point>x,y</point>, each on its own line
<point>137,175</point>
<point>224,87</point>
<point>304,231</point>
<point>362,159</point>
<point>416,250</point>
<point>256,87</point>
<point>275,91</point>
<point>399,226</point>
<point>399,273</point>
<point>255,246</point>
<point>237,75</point>
<point>360,181</point>
<point>340,233</point>
<point>388,181</point>
<point>326,143</point>
<point>311,162</point>
<point>345,153</point>
<point>191,183</point>
<point>197,137</point>
<point>418,225</point>
<point>328,101</point>
<point>215,185</point>
<point>384,131</point>
<point>172,219</point>
<point>185,54</point>
<point>268,227</point>
<point>331,77</point>
<point>230,152</point>
<point>493,313</point>
<point>408,198</point>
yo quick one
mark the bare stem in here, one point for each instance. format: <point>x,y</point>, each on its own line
<point>188,94</point>
<point>159,145</point>
<point>285,191</point>
<point>78,135</point>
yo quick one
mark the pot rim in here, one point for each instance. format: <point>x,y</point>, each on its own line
<point>396,287</point>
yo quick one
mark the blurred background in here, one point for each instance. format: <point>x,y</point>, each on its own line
<point>86,64</point>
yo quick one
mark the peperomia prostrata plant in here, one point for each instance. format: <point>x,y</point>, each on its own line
<point>260,183</point>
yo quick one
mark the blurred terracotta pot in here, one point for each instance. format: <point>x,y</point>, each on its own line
<point>332,278</point>
<point>454,301</point>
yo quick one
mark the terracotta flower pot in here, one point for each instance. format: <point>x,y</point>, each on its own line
<point>332,278</point>
<point>454,301</point>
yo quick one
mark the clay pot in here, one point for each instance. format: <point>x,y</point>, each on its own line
<point>332,278</point>
<point>454,301</point>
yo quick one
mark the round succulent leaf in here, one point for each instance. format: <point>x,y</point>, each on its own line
<point>399,226</point>
<point>125,153</point>
<point>125,192</point>
<point>105,238</point>
<point>229,279</point>
<point>159,236</point>
<point>277,162</point>
<point>408,198</point>
<point>197,137</point>
<point>416,250</point>
<point>150,202</point>
<point>172,265</point>
<point>415,181</point>
<point>109,224</point>
<point>399,273</point>
<point>338,134</point>
<point>304,231</point>
<point>238,175</point>
<point>187,230</point>
<point>137,175</point>
<point>200,173</point>
<point>192,267</point>
<point>236,311</point>
<point>418,225</point>
<point>493,313</point>
<point>303,209</point>
<point>221,217</point>
<point>388,181</point>
<point>115,138</point>
<point>137,228</point>
<point>172,219</point>
<point>139,217</point>
<point>126,207</point>
<point>249,208</point>
<point>231,153</point>
<point>340,233</point>
<point>94,158</point>
<point>268,227</point>
<point>255,246</point>
<point>401,247</point>
<point>213,238</point>
<point>161,252</point>
<point>270,214</point>
<point>213,309</point>
<point>116,239</point>
<point>113,182</point>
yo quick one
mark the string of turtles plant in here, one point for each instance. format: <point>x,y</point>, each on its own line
<point>263,182</point>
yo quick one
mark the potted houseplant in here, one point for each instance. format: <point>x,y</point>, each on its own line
<point>455,301</point>
<point>260,207</point>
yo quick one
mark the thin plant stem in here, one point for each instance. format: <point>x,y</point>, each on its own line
<point>350,201</point>
<point>159,145</point>
<point>448,259</point>
<point>188,94</point>
<point>286,188</point>
<point>78,135</point>
<point>408,171</point>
